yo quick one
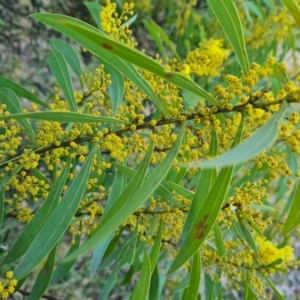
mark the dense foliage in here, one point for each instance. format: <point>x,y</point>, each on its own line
<point>167,168</point>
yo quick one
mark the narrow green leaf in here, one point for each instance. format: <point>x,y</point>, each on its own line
<point>154,285</point>
<point>176,177</point>
<point>103,46</point>
<point>141,290</point>
<point>184,283</point>
<point>7,179</point>
<point>63,269</point>
<point>274,289</point>
<point>43,279</point>
<point>116,88</point>
<point>95,10</point>
<point>60,116</point>
<point>205,219</point>
<point>180,190</point>
<point>60,70</point>
<point>204,184</point>
<point>155,35</point>
<point>2,211</point>
<point>193,289</point>
<point>122,209</point>
<point>247,235</point>
<point>161,190</point>
<point>252,223</point>
<point>259,141</point>
<point>293,218</point>
<point>13,105</point>
<point>165,38</point>
<point>117,188</point>
<point>70,55</point>
<point>7,227</point>
<point>61,216</point>
<point>263,207</point>
<point>20,91</point>
<point>219,240</point>
<point>36,223</point>
<point>156,247</point>
<point>228,17</point>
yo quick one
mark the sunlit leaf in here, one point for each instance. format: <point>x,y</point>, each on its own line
<point>122,209</point>
<point>261,139</point>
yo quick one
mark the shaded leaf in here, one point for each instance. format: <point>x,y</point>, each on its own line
<point>156,246</point>
<point>60,71</point>
<point>13,105</point>
<point>116,88</point>
<point>36,223</point>
<point>293,218</point>
<point>70,55</point>
<point>63,269</point>
<point>43,279</point>
<point>20,91</point>
<point>141,290</point>
<point>61,216</point>
<point>219,240</point>
<point>180,190</point>
<point>193,289</point>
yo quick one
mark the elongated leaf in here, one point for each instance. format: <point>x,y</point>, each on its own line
<point>13,105</point>
<point>2,211</point>
<point>117,188</point>
<point>228,17</point>
<point>219,240</point>
<point>294,9</point>
<point>61,216</point>
<point>116,88</point>
<point>205,219</point>
<point>259,141</point>
<point>70,55</point>
<point>43,279</point>
<point>184,283</point>
<point>180,190</point>
<point>161,190</point>
<point>95,10</point>
<point>141,290</point>
<point>60,70</point>
<point>252,223</point>
<point>103,46</point>
<point>121,210</point>
<point>165,38</point>
<point>60,116</point>
<point>156,246</point>
<point>293,218</point>
<point>153,32</point>
<point>20,91</point>
<point>7,179</point>
<point>194,285</point>
<point>247,235</point>
<point>63,269</point>
<point>274,289</point>
<point>204,183</point>
<point>36,223</point>
<point>8,226</point>
<point>154,285</point>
